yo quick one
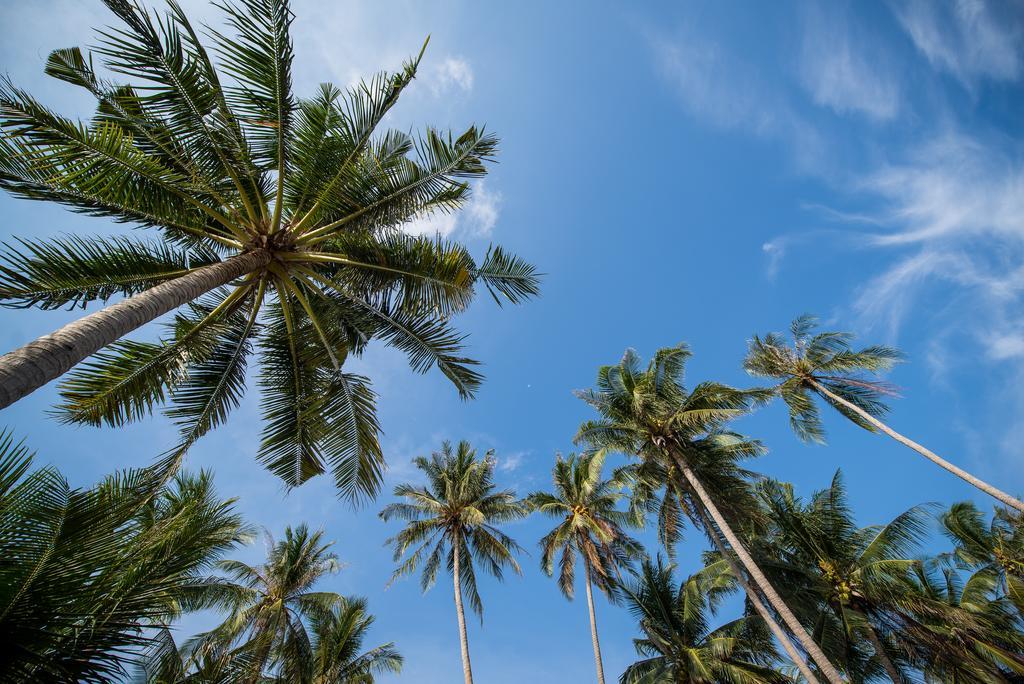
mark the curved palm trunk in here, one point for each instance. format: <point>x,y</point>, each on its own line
<point>593,625</point>
<point>927,453</point>
<point>755,599</point>
<point>467,670</point>
<point>25,370</point>
<point>827,669</point>
<point>887,663</point>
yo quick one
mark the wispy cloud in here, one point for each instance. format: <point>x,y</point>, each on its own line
<point>959,203</point>
<point>451,74</point>
<point>721,89</point>
<point>476,219</point>
<point>843,72</point>
<point>970,39</point>
<point>512,462</point>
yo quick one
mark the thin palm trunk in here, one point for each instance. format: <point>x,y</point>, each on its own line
<point>25,370</point>
<point>927,453</point>
<point>593,625</point>
<point>826,667</point>
<point>467,670</point>
<point>755,599</point>
<point>887,663</point>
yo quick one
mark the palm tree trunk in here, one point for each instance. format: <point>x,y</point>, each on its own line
<point>467,670</point>
<point>780,634</point>
<point>25,370</point>
<point>887,663</point>
<point>930,455</point>
<point>827,669</point>
<point>593,625</point>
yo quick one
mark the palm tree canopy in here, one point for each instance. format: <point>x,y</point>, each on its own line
<point>83,572</point>
<point>649,412</point>
<point>825,358</point>
<point>459,509</point>
<point>338,637</point>
<point>213,152</point>
<point>996,548</point>
<point>679,645</point>
<point>589,523</point>
<point>267,603</point>
<point>844,579</point>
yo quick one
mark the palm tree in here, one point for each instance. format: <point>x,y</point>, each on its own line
<point>84,573</point>
<point>679,645</point>
<point>336,641</point>
<point>824,364</point>
<point>589,525</point>
<point>962,630</point>
<point>677,433</point>
<point>267,603</point>
<point>278,229</point>
<point>453,517</point>
<point>996,549</point>
<point>856,577</point>
<point>338,638</point>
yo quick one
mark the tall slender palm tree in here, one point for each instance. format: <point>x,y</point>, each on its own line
<point>855,576</point>
<point>277,227</point>
<point>679,643</point>
<point>453,518</point>
<point>824,364</point>
<point>590,525</point>
<point>648,413</point>
<point>84,573</point>
<point>996,548</point>
<point>267,603</point>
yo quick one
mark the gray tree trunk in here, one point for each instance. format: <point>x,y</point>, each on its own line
<point>25,370</point>
<point>467,669</point>
<point>772,596</point>
<point>593,625</point>
<point>755,599</point>
<point>930,455</point>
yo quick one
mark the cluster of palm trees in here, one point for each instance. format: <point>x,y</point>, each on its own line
<point>91,581</point>
<point>276,224</point>
<point>851,603</point>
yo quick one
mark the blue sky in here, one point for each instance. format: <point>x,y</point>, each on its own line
<point>680,171</point>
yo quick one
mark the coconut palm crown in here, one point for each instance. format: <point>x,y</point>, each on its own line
<point>679,644</point>
<point>276,229</point>
<point>825,365</point>
<point>825,358</point>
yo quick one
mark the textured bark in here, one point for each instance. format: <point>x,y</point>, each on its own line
<point>772,596</point>
<point>25,370</point>
<point>467,670</point>
<point>593,625</point>
<point>780,634</point>
<point>927,453</point>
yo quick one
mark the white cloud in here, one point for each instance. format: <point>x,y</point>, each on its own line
<point>476,219</point>
<point>452,74</point>
<point>724,91</point>
<point>970,39</point>
<point>843,72</point>
<point>1003,346</point>
<point>511,462</point>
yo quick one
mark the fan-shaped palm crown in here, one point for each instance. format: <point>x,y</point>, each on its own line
<point>679,645</point>
<point>278,224</point>
<point>268,603</point>
<point>996,548</point>
<point>458,509</point>
<point>590,523</point>
<point>825,359</point>
<point>650,413</point>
